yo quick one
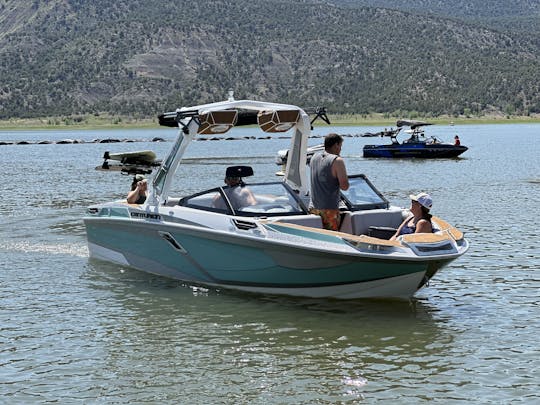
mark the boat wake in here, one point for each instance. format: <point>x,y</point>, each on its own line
<point>59,249</point>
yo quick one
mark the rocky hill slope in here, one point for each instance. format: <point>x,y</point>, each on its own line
<point>64,57</point>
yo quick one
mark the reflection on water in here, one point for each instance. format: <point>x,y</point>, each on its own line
<point>276,341</point>
<point>75,330</point>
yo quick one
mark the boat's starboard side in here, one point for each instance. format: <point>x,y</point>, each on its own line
<point>202,256</point>
<point>443,244</point>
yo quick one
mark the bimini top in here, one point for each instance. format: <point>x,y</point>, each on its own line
<point>271,117</point>
<point>218,118</point>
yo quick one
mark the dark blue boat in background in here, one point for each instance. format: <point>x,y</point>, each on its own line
<point>417,146</point>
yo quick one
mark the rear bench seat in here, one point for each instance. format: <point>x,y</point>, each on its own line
<point>358,222</point>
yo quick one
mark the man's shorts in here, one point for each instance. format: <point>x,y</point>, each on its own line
<point>330,218</point>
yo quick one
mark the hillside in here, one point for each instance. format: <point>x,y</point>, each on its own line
<point>502,15</point>
<point>477,9</point>
<point>67,57</point>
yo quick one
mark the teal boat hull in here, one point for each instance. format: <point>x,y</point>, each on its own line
<point>206,257</point>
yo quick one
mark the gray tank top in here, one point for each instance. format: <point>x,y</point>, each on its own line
<point>324,186</point>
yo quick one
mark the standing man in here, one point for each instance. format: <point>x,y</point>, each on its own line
<point>328,176</point>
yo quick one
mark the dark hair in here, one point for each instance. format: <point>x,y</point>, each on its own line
<point>233,181</point>
<point>332,139</point>
<point>136,181</point>
<point>425,213</point>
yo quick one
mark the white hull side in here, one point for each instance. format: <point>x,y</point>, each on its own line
<point>101,253</point>
<point>396,287</point>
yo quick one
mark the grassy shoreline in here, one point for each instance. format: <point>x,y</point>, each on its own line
<point>110,122</point>
<point>375,120</point>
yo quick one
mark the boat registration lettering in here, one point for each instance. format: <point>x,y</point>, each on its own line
<point>145,215</point>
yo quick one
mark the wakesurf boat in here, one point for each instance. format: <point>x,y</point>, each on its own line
<point>268,244</point>
<point>416,146</point>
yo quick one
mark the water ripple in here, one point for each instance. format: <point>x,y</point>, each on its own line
<point>74,330</point>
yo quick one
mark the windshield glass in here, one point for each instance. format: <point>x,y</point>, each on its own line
<point>267,199</point>
<point>363,195</point>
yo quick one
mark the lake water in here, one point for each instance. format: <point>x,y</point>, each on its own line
<point>74,330</point>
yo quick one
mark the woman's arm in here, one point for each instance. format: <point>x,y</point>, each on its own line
<point>398,232</point>
<point>133,196</point>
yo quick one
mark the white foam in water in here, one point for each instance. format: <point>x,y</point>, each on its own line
<point>357,382</point>
<point>64,249</point>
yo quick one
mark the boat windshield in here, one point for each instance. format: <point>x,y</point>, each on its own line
<point>261,199</point>
<point>362,195</point>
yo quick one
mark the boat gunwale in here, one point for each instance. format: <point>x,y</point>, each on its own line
<point>248,237</point>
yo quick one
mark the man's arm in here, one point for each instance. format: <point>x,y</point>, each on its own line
<point>250,198</point>
<point>339,171</point>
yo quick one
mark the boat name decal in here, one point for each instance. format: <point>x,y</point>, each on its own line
<point>145,215</point>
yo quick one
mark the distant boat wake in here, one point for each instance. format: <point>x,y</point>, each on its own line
<point>61,249</point>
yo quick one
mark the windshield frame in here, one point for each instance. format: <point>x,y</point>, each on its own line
<point>355,206</point>
<point>230,210</point>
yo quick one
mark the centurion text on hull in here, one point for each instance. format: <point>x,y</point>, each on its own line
<point>273,245</point>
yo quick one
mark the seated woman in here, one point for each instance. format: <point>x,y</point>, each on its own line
<point>420,219</point>
<point>139,190</point>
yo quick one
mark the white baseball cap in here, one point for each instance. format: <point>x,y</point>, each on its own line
<point>423,199</point>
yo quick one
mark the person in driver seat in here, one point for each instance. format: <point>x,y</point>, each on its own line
<point>238,194</point>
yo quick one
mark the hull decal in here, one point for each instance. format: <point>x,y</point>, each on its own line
<point>169,238</point>
<point>177,246</point>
